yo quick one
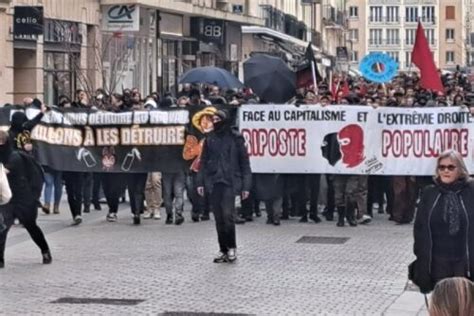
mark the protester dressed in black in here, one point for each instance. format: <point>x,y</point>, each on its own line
<point>443,231</point>
<point>23,204</point>
<point>225,172</point>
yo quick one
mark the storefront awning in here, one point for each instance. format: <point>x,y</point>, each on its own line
<point>275,34</point>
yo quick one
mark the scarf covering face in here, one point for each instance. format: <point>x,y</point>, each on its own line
<point>452,208</point>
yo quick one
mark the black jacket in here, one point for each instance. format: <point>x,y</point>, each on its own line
<point>420,269</point>
<point>231,160</point>
<point>22,196</point>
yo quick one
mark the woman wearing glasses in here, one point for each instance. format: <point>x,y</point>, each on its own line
<point>444,225</point>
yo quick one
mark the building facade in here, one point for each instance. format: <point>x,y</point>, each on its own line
<point>390,26</point>
<point>149,44</point>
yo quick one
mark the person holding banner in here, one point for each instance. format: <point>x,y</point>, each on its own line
<point>224,173</point>
<point>23,204</point>
<point>444,230</point>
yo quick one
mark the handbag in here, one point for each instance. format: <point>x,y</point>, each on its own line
<point>5,191</point>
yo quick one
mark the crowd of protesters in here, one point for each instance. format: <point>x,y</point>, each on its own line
<point>282,195</point>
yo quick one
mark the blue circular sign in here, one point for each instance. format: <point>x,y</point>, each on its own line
<point>378,67</point>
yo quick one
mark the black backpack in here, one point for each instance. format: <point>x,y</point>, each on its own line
<point>35,174</point>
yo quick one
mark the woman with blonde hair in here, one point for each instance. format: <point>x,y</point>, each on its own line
<point>444,225</point>
<point>452,297</point>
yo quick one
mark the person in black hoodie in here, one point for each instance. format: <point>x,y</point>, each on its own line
<point>443,230</point>
<point>20,124</point>
<point>23,204</point>
<point>225,172</point>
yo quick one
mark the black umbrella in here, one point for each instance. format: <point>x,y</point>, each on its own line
<point>211,75</point>
<point>270,78</point>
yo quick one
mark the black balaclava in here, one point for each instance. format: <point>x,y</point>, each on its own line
<point>18,120</point>
<point>222,125</point>
<point>330,149</point>
<point>5,151</point>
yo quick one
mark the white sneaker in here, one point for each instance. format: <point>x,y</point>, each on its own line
<point>157,214</point>
<point>365,219</point>
<point>147,215</point>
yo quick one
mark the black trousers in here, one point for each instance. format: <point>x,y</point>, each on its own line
<point>200,204</point>
<point>87,184</point>
<point>442,268</point>
<point>311,193</point>
<point>96,185</point>
<point>223,206</point>
<point>74,190</point>
<point>27,216</point>
<point>113,186</point>
<point>378,187</point>
<point>331,194</point>
<point>136,190</point>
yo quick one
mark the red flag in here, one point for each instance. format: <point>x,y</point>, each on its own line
<point>345,89</point>
<point>421,56</point>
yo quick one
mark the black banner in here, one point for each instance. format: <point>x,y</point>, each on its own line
<point>96,141</point>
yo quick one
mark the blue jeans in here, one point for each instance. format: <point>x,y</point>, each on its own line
<point>53,179</point>
<point>173,187</point>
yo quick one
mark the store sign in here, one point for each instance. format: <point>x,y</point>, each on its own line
<point>121,18</point>
<point>342,53</point>
<point>208,30</point>
<point>28,21</point>
<point>237,9</point>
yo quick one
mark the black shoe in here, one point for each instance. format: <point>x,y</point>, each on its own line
<point>315,218</point>
<point>269,220</point>
<point>136,219</point>
<point>195,217</point>
<point>276,222</point>
<point>329,216</point>
<point>205,217</point>
<point>258,213</point>
<point>249,218</point>
<point>231,255</point>
<point>169,219</point>
<point>97,206</point>
<point>87,209</point>
<point>77,220</point>
<point>239,220</point>
<point>220,257</point>
<point>341,212</point>
<point>47,259</point>
<point>46,209</point>
<point>179,219</point>
<point>304,219</point>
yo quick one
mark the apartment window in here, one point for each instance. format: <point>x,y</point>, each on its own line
<point>392,14</point>
<point>393,36</point>
<point>449,35</point>
<point>428,14</point>
<point>354,12</point>
<point>450,12</point>
<point>354,56</point>
<point>450,57</point>
<point>410,35</point>
<point>411,14</point>
<point>407,59</point>
<point>395,56</point>
<point>376,14</point>
<point>354,34</point>
<point>375,36</point>
<point>430,36</point>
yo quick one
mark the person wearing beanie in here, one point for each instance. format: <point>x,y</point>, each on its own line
<point>225,172</point>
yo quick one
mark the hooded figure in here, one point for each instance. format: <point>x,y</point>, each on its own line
<point>20,124</point>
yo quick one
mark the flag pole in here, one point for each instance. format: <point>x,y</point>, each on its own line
<point>383,84</point>
<point>315,80</point>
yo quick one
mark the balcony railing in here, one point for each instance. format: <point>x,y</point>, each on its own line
<point>384,42</point>
<point>333,16</point>
<point>425,19</point>
<point>384,19</point>
<point>431,42</point>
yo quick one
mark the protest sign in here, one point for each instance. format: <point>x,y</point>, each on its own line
<point>96,141</point>
<point>353,139</point>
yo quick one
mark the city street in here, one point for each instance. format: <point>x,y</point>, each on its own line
<point>120,269</point>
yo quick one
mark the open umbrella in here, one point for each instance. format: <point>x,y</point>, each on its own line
<point>270,78</point>
<point>211,75</point>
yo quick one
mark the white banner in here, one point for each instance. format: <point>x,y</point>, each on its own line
<point>354,139</point>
